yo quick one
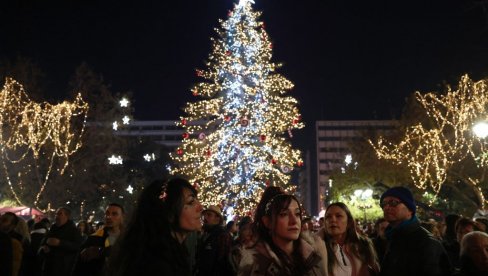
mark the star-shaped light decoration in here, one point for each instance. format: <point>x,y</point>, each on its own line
<point>147,157</point>
<point>124,102</point>
<point>115,160</point>
<point>125,120</point>
<point>130,189</point>
<point>115,125</point>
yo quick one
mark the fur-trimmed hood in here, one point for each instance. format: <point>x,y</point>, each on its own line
<point>261,260</point>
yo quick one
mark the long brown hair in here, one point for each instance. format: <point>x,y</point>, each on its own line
<point>272,206</point>
<point>359,245</point>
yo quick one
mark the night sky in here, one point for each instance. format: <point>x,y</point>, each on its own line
<point>348,59</point>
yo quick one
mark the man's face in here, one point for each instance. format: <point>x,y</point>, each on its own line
<point>478,253</point>
<point>61,217</point>
<point>6,223</point>
<point>394,211</point>
<point>113,217</point>
<point>211,218</point>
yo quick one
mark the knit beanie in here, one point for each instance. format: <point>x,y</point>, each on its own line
<point>404,195</point>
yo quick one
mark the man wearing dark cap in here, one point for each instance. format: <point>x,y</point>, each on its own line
<point>214,245</point>
<point>411,249</point>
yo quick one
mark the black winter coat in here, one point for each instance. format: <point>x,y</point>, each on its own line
<point>60,259</point>
<point>412,250</point>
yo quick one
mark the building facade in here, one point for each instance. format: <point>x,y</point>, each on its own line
<point>333,141</point>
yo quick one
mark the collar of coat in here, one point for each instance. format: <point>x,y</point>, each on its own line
<point>309,244</point>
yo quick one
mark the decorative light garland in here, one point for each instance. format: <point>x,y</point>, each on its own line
<point>430,151</point>
<point>28,129</point>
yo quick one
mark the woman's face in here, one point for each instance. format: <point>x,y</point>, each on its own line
<point>191,212</point>
<point>288,223</point>
<point>336,221</point>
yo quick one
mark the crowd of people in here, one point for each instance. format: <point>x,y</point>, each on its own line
<point>171,233</point>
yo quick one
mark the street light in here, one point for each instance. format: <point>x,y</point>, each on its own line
<point>363,196</point>
<point>480,129</point>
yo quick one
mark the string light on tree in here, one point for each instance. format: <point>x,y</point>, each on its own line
<point>31,131</point>
<point>240,123</point>
<point>431,150</point>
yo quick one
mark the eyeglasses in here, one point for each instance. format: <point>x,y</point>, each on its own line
<point>392,203</point>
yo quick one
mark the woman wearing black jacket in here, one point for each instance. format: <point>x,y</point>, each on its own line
<point>152,243</point>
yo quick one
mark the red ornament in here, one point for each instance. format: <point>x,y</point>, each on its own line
<point>262,138</point>
<point>268,183</point>
<point>179,151</point>
<point>273,161</point>
<point>185,135</point>
<point>199,73</point>
<point>195,92</point>
<point>229,13</point>
<point>271,45</point>
<point>263,25</point>
<point>300,163</point>
<point>228,53</point>
<point>183,122</point>
<point>208,153</point>
<point>227,118</point>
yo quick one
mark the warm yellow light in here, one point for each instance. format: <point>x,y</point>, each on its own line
<point>40,130</point>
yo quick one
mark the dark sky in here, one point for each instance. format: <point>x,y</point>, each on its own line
<point>349,59</point>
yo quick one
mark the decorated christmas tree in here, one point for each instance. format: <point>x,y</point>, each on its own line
<point>236,139</point>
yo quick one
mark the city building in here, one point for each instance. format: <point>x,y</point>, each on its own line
<point>165,133</point>
<point>333,141</point>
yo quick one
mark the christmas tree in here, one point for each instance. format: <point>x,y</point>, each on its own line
<point>235,141</point>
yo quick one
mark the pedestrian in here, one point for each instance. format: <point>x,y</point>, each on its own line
<point>38,233</point>
<point>411,249</point>
<point>449,239</point>
<point>60,246</point>
<point>214,245</point>
<point>474,254</point>
<point>243,240</point>
<point>96,249</point>
<point>379,240</point>
<point>84,228</point>
<point>280,249</point>
<point>348,251</point>
<point>153,241</point>
<point>232,228</point>
<point>10,254</point>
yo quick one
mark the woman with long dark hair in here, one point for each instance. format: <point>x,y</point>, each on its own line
<point>348,252</point>
<point>152,243</point>
<point>279,248</point>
